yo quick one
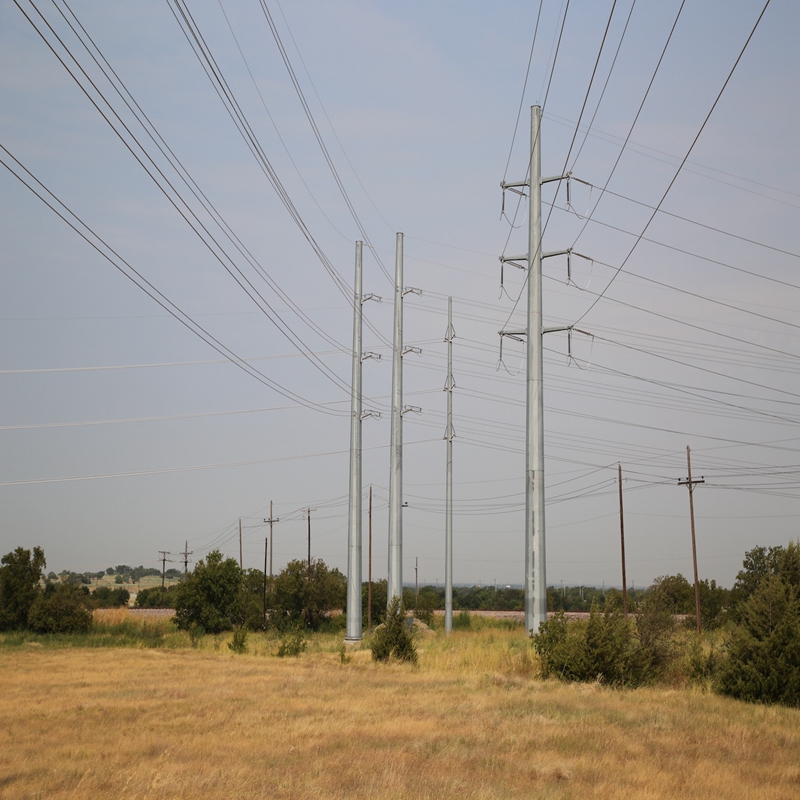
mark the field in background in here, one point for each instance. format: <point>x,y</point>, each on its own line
<point>172,721</point>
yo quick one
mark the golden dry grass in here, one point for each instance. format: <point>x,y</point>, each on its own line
<point>471,722</point>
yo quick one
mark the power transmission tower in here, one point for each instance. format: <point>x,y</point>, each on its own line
<point>272,519</point>
<point>357,416</point>
<point>535,562</point>
<point>394,586</point>
<point>449,434</point>
<point>353,607</point>
<point>688,482</point>
<point>395,574</point>
<point>622,544</point>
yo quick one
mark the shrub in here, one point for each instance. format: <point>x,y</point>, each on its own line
<point>293,642</point>
<point>239,642</point>
<point>20,574</point>
<point>462,620</point>
<point>61,608</point>
<point>606,649</point>
<point>763,653</point>
<point>392,639</point>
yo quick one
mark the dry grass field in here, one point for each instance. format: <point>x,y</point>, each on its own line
<point>471,722</point>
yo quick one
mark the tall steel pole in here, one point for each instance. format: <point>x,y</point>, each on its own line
<point>449,434</point>
<point>535,573</point>
<point>353,632</point>
<point>395,576</point>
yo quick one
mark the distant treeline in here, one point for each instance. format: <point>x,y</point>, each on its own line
<point>122,573</point>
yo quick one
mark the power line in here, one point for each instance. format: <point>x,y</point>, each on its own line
<point>107,252</point>
<point>680,166</point>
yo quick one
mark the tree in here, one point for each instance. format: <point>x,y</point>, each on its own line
<point>763,653</point>
<point>758,564</point>
<point>210,598</point>
<point>20,574</point>
<point>61,608</point>
<point>152,598</point>
<point>106,597</point>
<point>392,639</point>
<point>297,597</point>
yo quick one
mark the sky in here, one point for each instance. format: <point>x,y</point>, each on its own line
<point>127,430</point>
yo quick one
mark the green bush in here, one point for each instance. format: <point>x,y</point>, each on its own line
<point>61,609</point>
<point>762,657</point>
<point>293,642</point>
<point>239,642</point>
<point>462,620</point>
<point>606,649</point>
<point>392,639</point>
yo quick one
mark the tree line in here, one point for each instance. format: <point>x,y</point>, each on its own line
<point>756,657</point>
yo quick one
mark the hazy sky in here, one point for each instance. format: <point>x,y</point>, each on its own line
<point>123,433</point>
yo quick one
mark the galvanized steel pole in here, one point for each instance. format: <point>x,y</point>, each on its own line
<point>395,576</point>
<point>449,434</point>
<point>535,572</point>
<point>353,632</point>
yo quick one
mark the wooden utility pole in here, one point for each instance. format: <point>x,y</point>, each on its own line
<point>240,543</point>
<point>164,554</point>
<point>691,484</point>
<point>308,517</point>
<point>416,581</point>
<point>186,554</point>
<point>622,543</point>
<point>369,568</point>
<point>272,519</point>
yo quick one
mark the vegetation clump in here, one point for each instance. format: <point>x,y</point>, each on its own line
<point>604,649</point>
<point>392,640</point>
<point>238,643</point>
<point>761,659</point>
<point>210,597</point>
<point>293,642</point>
